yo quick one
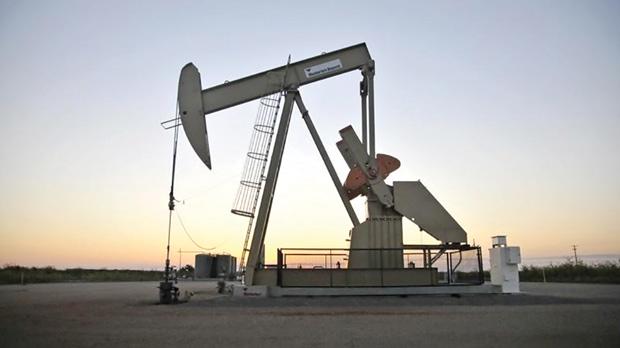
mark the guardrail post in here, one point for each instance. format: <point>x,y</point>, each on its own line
<point>449,256</point>
<point>381,264</point>
<point>480,270</point>
<point>279,271</point>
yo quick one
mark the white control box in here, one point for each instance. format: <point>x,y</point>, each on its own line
<point>514,255</point>
<point>505,262</point>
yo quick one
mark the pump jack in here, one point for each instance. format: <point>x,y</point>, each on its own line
<point>377,242</point>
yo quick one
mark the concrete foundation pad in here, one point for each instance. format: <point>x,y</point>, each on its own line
<point>275,291</point>
<point>250,291</point>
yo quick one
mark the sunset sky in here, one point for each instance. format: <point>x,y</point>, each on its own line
<point>509,113</point>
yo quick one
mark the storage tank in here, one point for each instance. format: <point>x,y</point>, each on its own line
<point>204,266</point>
<point>226,266</point>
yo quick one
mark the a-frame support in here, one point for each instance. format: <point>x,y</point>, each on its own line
<point>258,237</point>
<point>262,219</point>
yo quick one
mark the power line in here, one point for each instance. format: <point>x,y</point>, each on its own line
<point>188,235</point>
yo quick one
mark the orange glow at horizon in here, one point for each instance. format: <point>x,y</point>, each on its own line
<point>507,112</point>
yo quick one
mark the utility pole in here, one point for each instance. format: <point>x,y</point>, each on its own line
<point>575,251</point>
<point>180,259</point>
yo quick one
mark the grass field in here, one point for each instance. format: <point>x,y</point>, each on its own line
<point>608,273</point>
<point>29,275</point>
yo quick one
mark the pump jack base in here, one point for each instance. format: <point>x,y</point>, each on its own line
<point>276,291</point>
<point>250,291</point>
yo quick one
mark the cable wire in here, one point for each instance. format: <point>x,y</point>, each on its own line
<point>189,236</point>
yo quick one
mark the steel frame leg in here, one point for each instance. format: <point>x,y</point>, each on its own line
<point>328,164</point>
<point>258,237</point>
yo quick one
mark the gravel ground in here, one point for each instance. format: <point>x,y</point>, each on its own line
<point>125,314</point>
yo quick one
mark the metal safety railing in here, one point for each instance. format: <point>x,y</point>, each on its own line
<point>442,265</point>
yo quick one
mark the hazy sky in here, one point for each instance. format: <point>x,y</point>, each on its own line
<point>509,112</point>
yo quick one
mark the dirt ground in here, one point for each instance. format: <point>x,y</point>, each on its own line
<point>125,315</point>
